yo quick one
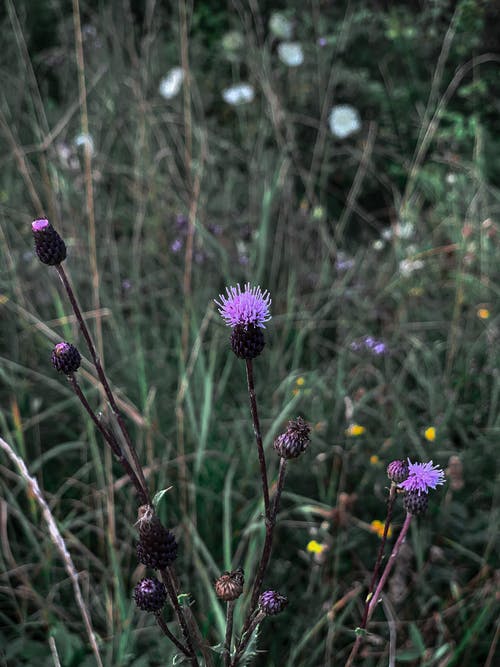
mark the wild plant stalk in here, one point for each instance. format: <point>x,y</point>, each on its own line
<point>246,311</point>
<point>157,547</point>
<point>415,480</point>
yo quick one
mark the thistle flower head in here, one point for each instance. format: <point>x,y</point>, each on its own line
<point>229,586</point>
<point>294,441</point>
<point>65,358</point>
<point>397,471</point>
<point>271,602</point>
<point>422,477</point>
<point>49,246</point>
<point>150,594</point>
<point>246,307</point>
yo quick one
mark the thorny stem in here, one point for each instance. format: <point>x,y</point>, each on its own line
<point>161,622</point>
<point>104,381</point>
<point>109,438</point>
<point>374,600</point>
<point>258,437</point>
<point>172,594</point>
<point>246,636</point>
<point>264,561</point>
<point>390,507</point>
<point>229,633</point>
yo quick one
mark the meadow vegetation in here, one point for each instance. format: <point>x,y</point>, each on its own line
<point>377,239</point>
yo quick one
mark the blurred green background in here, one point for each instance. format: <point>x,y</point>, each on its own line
<point>343,155</point>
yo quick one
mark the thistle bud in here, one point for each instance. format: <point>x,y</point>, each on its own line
<point>49,246</point>
<point>150,594</point>
<point>271,603</point>
<point>397,471</point>
<point>65,358</point>
<point>294,441</point>
<point>415,503</point>
<point>157,547</point>
<point>229,586</point>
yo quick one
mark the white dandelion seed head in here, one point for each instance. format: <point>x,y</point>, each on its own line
<point>344,120</point>
<point>171,84</point>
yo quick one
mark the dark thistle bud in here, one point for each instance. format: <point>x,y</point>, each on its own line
<point>247,342</point>
<point>157,547</point>
<point>294,441</point>
<point>397,471</point>
<point>229,586</point>
<point>65,358</point>
<point>49,246</point>
<point>272,603</point>
<point>245,311</point>
<point>415,503</point>
<point>150,594</point>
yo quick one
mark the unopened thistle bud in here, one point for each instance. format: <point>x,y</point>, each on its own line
<point>397,471</point>
<point>150,594</point>
<point>294,441</point>
<point>229,586</point>
<point>157,547</point>
<point>245,311</point>
<point>66,358</point>
<point>415,503</point>
<point>272,603</point>
<point>49,246</point>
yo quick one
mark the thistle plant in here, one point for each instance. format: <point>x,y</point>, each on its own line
<point>413,481</point>
<point>246,311</point>
<point>157,547</point>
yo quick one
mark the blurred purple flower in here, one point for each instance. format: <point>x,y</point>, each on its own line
<point>176,245</point>
<point>369,344</point>
<point>322,41</point>
<point>422,477</point>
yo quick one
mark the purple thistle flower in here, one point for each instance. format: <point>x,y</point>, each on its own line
<point>247,307</point>
<point>422,477</point>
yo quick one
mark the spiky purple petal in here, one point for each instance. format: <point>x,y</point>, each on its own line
<point>246,307</point>
<point>422,477</point>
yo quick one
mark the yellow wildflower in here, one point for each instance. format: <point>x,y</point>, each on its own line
<point>299,381</point>
<point>430,433</point>
<point>483,313</point>
<point>354,430</point>
<point>379,526</point>
<point>314,547</point>
<point>374,459</point>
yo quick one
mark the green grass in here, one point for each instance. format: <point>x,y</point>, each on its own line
<point>267,182</point>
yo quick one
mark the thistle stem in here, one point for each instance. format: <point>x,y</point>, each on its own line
<point>161,622</point>
<point>374,600</point>
<point>258,437</point>
<point>229,633</point>
<point>264,561</point>
<point>390,508</point>
<point>246,636</point>
<point>104,381</point>
<point>109,438</point>
<point>172,594</point>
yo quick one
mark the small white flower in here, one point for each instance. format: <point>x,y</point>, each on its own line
<point>280,26</point>
<point>242,93</point>
<point>85,140</point>
<point>387,234</point>
<point>344,120</point>
<point>291,54</point>
<point>408,266</point>
<point>171,84</point>
<point>378,245</point>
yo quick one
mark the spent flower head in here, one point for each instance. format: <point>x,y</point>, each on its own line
<point>249,306</point>
<point>422,477</point>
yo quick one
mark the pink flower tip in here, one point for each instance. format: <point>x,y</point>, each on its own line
<point>40,225</point>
